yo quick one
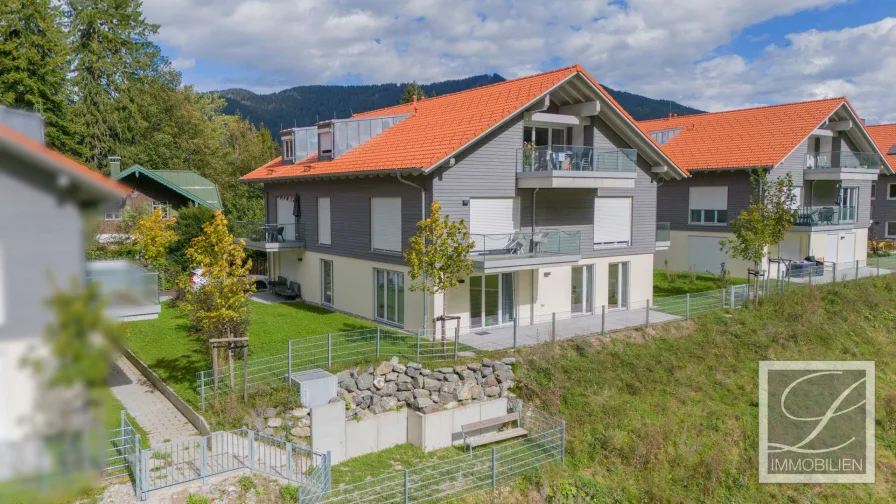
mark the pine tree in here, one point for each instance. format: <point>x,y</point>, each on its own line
<point>412,90</point>
<point>34,63</point>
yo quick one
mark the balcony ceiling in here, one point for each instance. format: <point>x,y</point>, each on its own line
<point>575,90</point>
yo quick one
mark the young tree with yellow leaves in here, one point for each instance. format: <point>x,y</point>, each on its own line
<point>153,236</point>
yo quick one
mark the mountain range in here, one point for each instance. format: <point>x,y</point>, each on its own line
<point>306,105</point>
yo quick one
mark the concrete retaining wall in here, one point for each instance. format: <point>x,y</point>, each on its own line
<point>442,429</point>
<point>328,430</point>
<point>189,413</point>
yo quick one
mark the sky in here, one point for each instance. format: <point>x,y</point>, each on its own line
<point>709,54</point>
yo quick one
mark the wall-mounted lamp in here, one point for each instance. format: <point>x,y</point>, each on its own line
<point>465,202</point>
<point>547,274</point>
<point>300,259</point>
<point>461,281</point>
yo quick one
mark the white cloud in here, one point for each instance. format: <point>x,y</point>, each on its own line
<point>183,63</point>
<point>663,48</point>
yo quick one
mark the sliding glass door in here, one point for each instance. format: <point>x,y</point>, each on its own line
<point>581,289</point>
<point>389,293</point>
<point>491,300</point>
<point>617,286</point>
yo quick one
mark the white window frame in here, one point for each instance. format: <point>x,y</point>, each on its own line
<point>323,283</point>
<point>890,191</point>
<point>162,205</point>
<point>112,216</point>
<point>289,151</point>
<point>399,319</point>
<point>703,221</point>
<point>329,224</point>
<point>373,236</point>
<point>887,229</point>
<point>631,210</point>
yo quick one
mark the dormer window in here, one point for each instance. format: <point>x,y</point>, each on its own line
<point>325,141</point>
<point>288,150</point>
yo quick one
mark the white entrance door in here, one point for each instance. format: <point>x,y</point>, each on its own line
<point>848,250</point>
<point>705,255</point>
<point>833,241</point>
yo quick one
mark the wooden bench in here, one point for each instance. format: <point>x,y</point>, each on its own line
<point>491,437</point>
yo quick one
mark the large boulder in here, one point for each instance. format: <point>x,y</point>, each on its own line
<point>422,402</point>
<point>405,386</point>
<point>430,384</point>
<point>389,403</point>
<point>349,385</point>
<point>504,375</point>
<point>365,381</point>
<point>384,368</point>
<point>391,376</point>
<point>390,388</point>
<point>379,382</point>
<point>492,391</point>
<point>270,412</point>
<point>467,391</point>
<point>418,393</point>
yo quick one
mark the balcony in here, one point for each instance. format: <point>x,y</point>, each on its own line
<point>663,235</point>
<point>270,237</point>
<point>572,166</point>
<point>842,165</point>
<point>511,251</point>
<point>130,290</point>
<point>824,216</point>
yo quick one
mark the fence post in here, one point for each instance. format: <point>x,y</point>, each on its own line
<point>687,306</point>
<point>878,265</point>
<point>405,486</point>
<point>288,360</point>
<point>731,301</point>
<point>723,298</point>
<point>202,390</point>
<point>329,484</point>
<point>514,331</point>
<point>647,317</point>
<point>494,468</point>
<point>121,420</point>
<point>857,269</point>
<point>203,469</point>
<point>603,320</point>
<point>144,478</point>
<point>835,273</point>
<point>288,461</point>
<point>377,342</point>
<point>418,344</point>
<point>456,340</point>
<point>562,442</point>
<point>553,326</point>
<point>251,449</point>
<point>329,350</point>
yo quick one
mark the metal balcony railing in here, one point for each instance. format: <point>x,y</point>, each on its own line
<point>525,245</point>
<point>843,159</point>
<point>256,231</point>
<point>576,158</point>
<point>825,216</point>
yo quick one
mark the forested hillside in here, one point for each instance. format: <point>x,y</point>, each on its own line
<point>305,105</point>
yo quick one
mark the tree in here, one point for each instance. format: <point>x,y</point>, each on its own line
<point>765,222</point>
<point>411,91</point>
<point>188,227</point>
<point>439,255</point>
<point>34,65</point>
<point>219,307</point>
<point>153,237</point>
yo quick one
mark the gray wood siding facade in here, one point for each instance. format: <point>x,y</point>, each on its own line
<point>883,209</point>
<point>350,212</point>
<point>41,234</point>
<point>794,164</point>
<point>673,198</point>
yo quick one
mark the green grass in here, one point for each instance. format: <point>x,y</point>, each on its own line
<point>675,418</point>
<point>168,347</point>
<point>676,283</point>
<point>112,417</point>
<point>372,465</point>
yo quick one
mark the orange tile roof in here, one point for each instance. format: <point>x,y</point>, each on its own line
<point>81,172</point>
<point>884,136</point>
<point>436,128</point>
<point>744,138</point>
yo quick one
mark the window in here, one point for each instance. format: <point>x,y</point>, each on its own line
<point>543,136</point>
<point>891,229</point>
<point>326,282</point>
<point>612,222</point>
<point>385,224</point>
<point>112,216</point>
<point>288,150</point>
<point>389,296</point>
<point>873,190</point>
<point>323,221</point>
<point>891,191</point>
<point>494,215</point>
<point>708,205</point>
<point>163,206</point>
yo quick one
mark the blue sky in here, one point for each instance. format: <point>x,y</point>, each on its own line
<point>711,54</point>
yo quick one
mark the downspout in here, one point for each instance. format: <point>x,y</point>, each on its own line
<point>534,296</point>
<point>422,217</point>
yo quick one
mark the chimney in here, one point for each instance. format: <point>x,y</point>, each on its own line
<point>114,166</point>
<point>415,104</point>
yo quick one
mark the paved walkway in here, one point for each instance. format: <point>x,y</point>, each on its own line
<point>148,406</point>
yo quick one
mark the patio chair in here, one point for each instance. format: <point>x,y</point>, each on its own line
<point>826,215</point>
<point>585,162</point>
<point>289,290</point>
<point>514,246</point>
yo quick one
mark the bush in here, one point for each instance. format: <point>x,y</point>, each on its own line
<point>198,499</point>
<point>246,483</point>
<point>289,493</point>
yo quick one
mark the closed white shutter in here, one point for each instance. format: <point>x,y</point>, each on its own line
<point>709,198</point>
<point>323,221</point>
<point>612,222</point>
<point>494,215</point>
<point>385,223</point>
<point>285,218</point>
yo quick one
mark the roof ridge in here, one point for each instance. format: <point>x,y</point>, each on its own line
<point>506,81</point>
<point>703,114</point>
<point>879,125</point>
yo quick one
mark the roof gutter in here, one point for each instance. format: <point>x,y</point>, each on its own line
<point>365,173</point>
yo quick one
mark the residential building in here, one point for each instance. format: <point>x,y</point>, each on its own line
<point>822,144</point>
<point>167,190</point>
<point>556,182</point>
<point>883,193</point>
<point>44,198</point>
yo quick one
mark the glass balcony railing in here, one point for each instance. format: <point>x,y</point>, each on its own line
<point>663,232</point>
<point>843,159</point>
<point>825,216</point>
<point>256,231</point>
<point>575,158</point>
<point>125,285</point>
<point>525,245</point>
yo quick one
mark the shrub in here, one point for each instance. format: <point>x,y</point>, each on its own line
<point>246,483</point>
<point>198,499</point>
<point>289,493</point>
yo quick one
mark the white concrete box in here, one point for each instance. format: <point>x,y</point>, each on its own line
<point>316,386</point>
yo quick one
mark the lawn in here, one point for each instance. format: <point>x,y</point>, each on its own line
<point>677,283</point>
<point>168,347</point>
<point>672,415</point>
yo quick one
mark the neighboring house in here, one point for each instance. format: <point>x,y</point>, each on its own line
<point>563,225</point>
<point>44,197</point>
<point>883,193</point>
<point>168,190</point>
<point>822,144</point>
